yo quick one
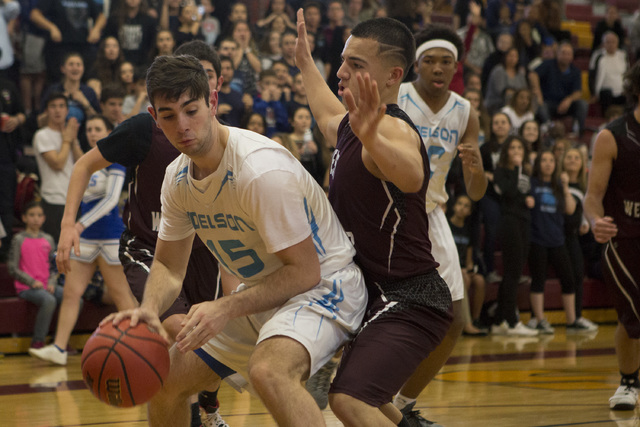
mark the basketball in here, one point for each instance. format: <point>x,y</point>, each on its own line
<point>125,366</point>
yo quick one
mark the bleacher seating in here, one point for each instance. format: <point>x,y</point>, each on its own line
<point>17,315</point>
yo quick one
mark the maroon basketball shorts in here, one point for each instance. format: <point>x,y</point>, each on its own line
<point>200,283</point>
<point>395,338</point>
<point>622,274</point>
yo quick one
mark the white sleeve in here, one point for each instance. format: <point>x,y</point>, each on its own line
<point>174,221</point>
<point>42,143</point>
<point>276,202</point>
<point>109,201</point>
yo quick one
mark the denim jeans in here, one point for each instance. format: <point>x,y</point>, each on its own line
<point>47,302</point>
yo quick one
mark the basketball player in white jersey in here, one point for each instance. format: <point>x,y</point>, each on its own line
<point>269,224</point>
<point>447,126</point>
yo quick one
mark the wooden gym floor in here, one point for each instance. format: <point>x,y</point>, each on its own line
<point>555,380</point>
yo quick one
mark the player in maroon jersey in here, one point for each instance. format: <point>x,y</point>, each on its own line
<point>612,206</point>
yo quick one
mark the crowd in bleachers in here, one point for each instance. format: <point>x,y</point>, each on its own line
<point>521,72</point>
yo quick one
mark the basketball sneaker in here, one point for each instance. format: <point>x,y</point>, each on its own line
<point>212,419</point>
<point>521,330</point>
<point>318,384</point>
<point>624,399</point>
<point>50,353</point>
<point>578,328</point>
<point>414,417</point>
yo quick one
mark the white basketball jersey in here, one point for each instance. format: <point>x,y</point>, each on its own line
<point>259,201</point>
<point>441,133</point>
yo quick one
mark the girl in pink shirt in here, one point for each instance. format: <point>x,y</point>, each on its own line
<point>30,265</point>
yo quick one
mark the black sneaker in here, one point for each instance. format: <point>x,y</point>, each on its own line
<point>415,419</point>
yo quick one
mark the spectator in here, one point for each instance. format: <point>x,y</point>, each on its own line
<point>553,201</point>
<point>512,183</point>
<point>475,98</point>
<point>245,59</point>
<point>30,265</point>
<point>530,135</point>
<point>210,25</point>
<point>508,75</point>
<point>285,80</point>
<point>100,226</point>
<point>229,47</point>
<point>189,28</point>
<point>557,84</point>
<point>277,9</point>
<point>165,44</point>
<point>127,78</point>
<point>477,42</point>
<point>504,42</point>
<point>473,82</point>
<point>352,15</point>
<point>490,203</point>
<point>611,22</point>
<point>464,237</point>
<point>526,42</point>
<point>313,19</point>
<point>69,31</point>
<point>268,104</point>
<point>575,225</point>
<point>135,30</point>
<point>553,22</point>
<point>82,100</point>
<point>111,104</point>
<point>9,10</point>
<point>301,144</point>
<point>519,109</point>
<point>298,97</point>
<point>270,49</point>
<point>106,69</point>
<point>10,141</point>
<point>170,15</point>
<point>288,42</point>
<point>32,64</point>
<point>254,122</point>
<point>57,148</point>
<point>230,105</point>
<point>137,101</point>
<point>606,71</point>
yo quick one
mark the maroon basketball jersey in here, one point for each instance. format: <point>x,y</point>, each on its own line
<point>389,228</point>
<point>622,199</point>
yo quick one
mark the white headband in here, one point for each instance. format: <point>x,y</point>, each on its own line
<point>437,43</point>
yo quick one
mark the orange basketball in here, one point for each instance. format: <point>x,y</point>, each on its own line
<point>125,366</point>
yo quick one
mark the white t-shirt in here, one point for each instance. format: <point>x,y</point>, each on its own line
<point>259,201</point>
<point>53,183</point>
<point>441,133</point>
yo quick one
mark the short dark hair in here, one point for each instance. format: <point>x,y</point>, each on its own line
<point>393,37</point>
<point>171,76</point>
<point>202,52</point>
<point>632,84</point>
<point>55,96</point>
<point>267,73</point>
<point>32,204</point>
<point>106,121</point>
<point>226,58</point>
<point>112,90</point>
<point>439,31</point>
<point>312,3</point>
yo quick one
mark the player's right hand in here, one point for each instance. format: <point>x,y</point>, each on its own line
<point>69,239</point>
<point>138,315</point>
<point>604,229</point>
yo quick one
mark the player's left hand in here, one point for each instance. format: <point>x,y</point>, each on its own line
<point>203,322</point>
<point>367,113</point>
<point>471,158</point>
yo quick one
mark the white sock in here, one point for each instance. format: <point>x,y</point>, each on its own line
<point>401,401</point>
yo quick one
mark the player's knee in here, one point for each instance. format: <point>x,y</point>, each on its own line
<point>263,375</point>
<point>341,405</point>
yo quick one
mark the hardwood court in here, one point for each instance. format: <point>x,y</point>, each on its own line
<point>555,380</point>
